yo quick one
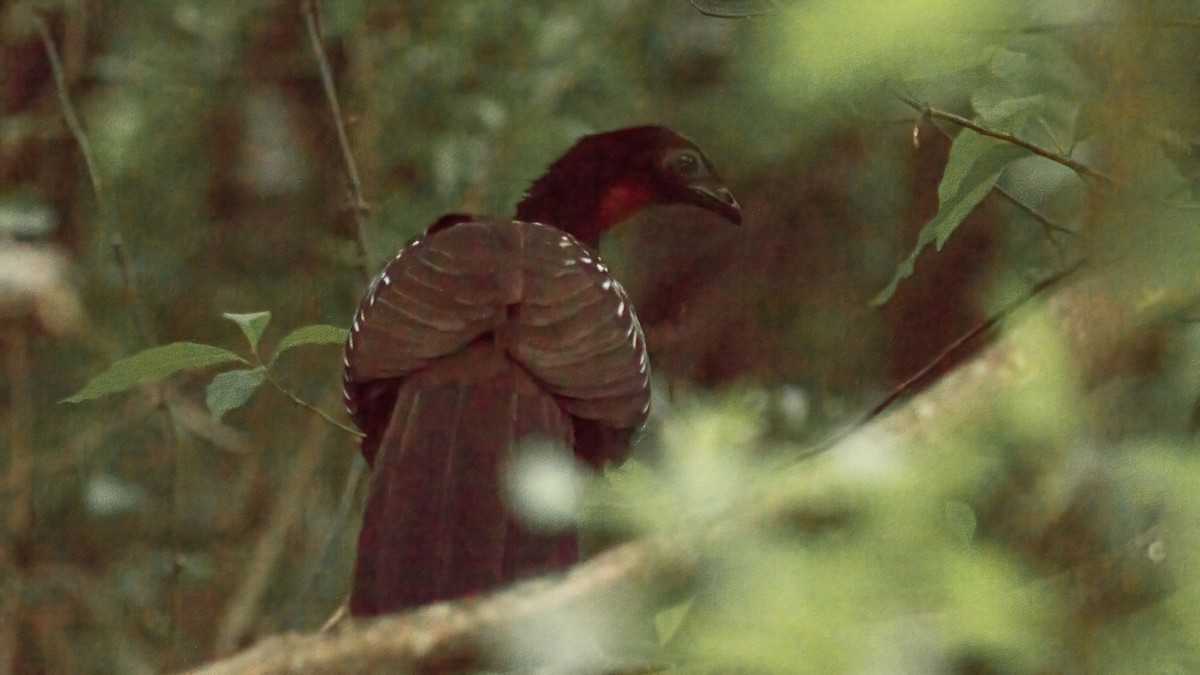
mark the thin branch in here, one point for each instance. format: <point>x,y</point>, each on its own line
<point>120,250</point>
<point>429,638</point>
<point>142,318</point>
<point>312,22</point>
<point>950,350</point>
<point>72,119</point>
<point>1074,165</point>
<point>310,407</point>
<point>1033,213</point>
<point>309,8</point>
<point>1046,223</point>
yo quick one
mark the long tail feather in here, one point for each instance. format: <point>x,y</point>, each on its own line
<point>436,526</point>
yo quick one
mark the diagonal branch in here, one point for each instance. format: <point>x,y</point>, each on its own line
<point>429,638</point>
<point>1074,165</point>
<point>120,250</point>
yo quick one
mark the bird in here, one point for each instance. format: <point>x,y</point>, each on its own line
<point>483,334</point>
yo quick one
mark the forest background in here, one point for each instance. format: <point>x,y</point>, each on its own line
<point>908,170</point>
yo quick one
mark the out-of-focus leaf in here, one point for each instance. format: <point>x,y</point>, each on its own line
<point>153,364</point>
<point>231,389</point>
<point>830,48</point>
<point>252,325</point>
<point>317,334</point>
<point>971,171</point>
<point>733,9</point>
<point>1035,89</point>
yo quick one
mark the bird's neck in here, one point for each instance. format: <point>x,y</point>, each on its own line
<point>583,202</point>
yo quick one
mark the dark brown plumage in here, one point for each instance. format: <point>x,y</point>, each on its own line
<point>482,334</point>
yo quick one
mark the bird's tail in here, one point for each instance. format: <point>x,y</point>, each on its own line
<point>436,525</point>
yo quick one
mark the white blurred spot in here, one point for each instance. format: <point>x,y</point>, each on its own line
<point>868,455</point>
<point>108,495</point>
<point>1156,551</point>
<point>35,282</point>
<point>544,485</point>
<point>794,404</point>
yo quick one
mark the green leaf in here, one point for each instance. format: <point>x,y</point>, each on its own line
<point>153,364</point>
<point>1034,89</point>
<point>971,171</point>
<point>231,389</point>
<point>317,334</point>
<point>252,325</point>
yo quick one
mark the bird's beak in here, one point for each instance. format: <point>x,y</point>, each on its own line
<point>715,197</point>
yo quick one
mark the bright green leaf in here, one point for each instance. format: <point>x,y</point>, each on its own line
<point>829,48</point>
<point>971,171</point>
<point>231,389</point>
<point>252,325</point>
<point>153,364</point>
<point>317,334</point>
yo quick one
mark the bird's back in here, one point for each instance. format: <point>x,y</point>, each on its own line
<point>542,298</point>
<point>475,338</point>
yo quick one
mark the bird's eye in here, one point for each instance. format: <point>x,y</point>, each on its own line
<point>684,163</point>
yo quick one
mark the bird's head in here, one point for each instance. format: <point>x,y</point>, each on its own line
<point>606,178</point>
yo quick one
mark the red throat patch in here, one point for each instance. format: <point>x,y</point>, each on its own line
<point>620,202</point>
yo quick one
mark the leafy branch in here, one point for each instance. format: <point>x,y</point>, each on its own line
<point>935,113</point>
<point>228,390</point>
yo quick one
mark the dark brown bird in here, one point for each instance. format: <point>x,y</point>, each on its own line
<point>481,334</point>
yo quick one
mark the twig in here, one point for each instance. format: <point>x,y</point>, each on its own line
<point>1076,166</point>
<point>951,349</point>
<point>142,318</point>
<point>429,638</point>
<point>310,407</point>
<point>1046,223</point>
<point>312,22</point>
<point>120,250</point>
